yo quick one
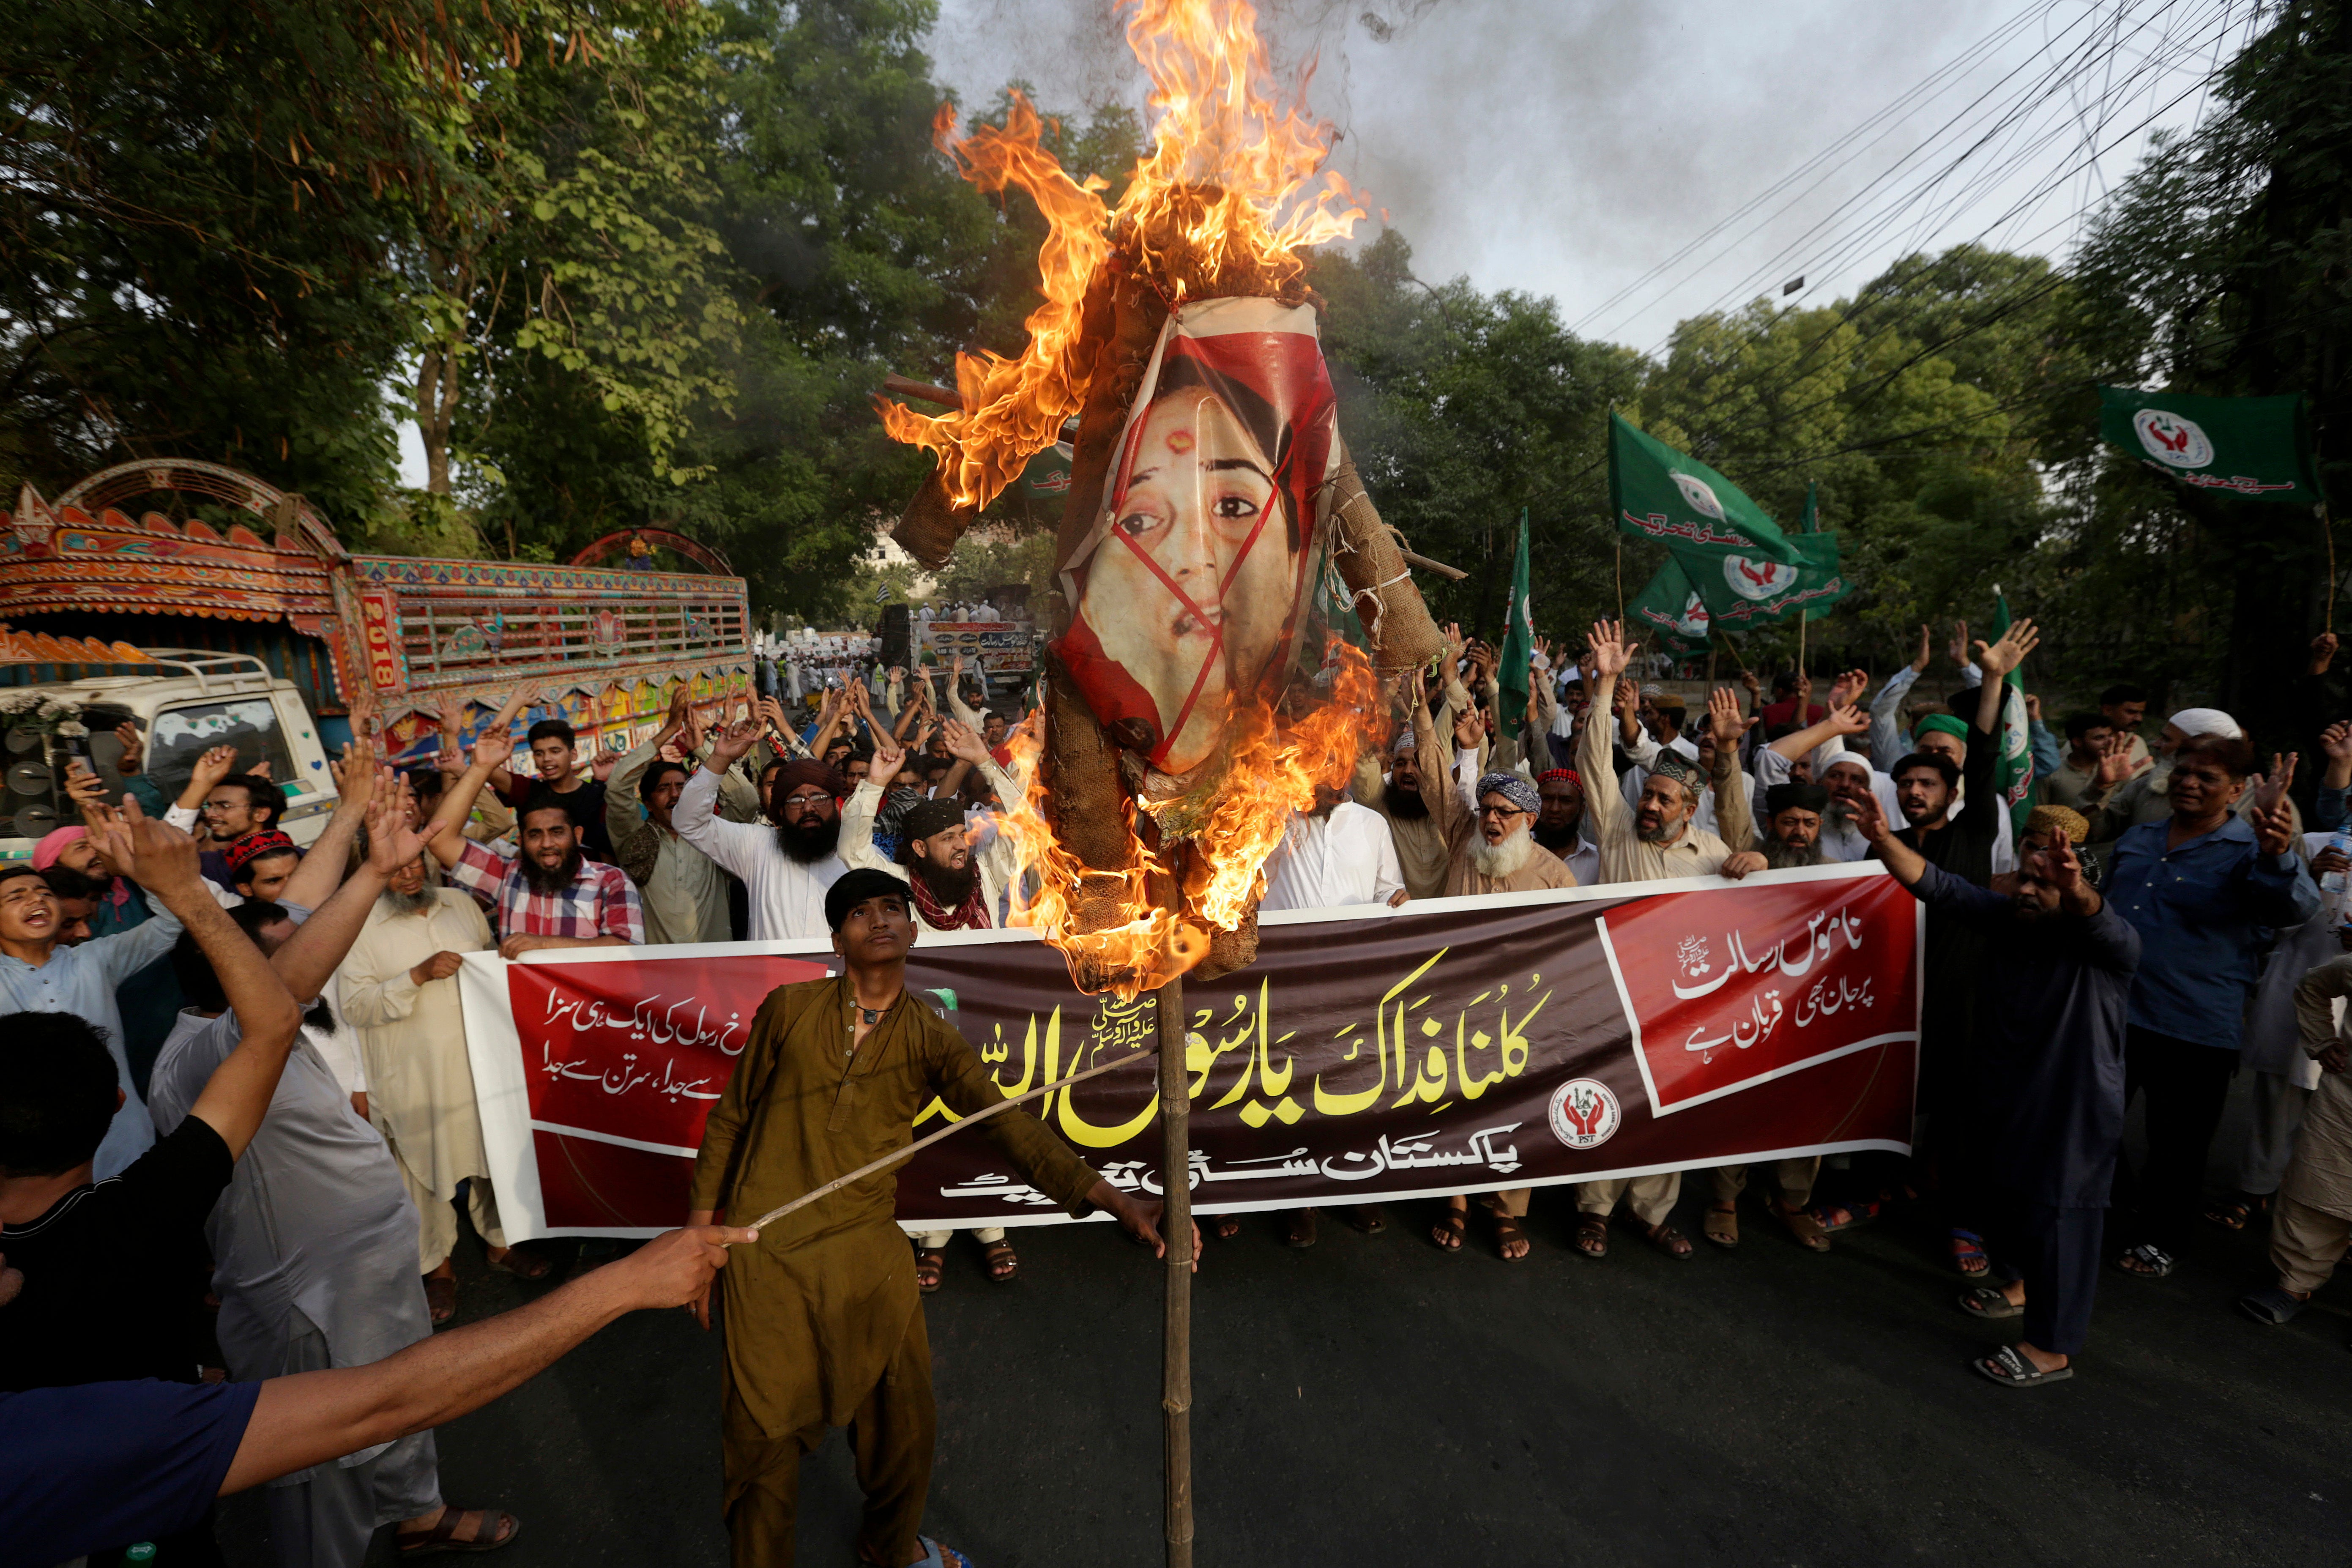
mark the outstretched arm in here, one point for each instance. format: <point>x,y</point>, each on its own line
<point>312,1416</point>
<point>309,959</point>
<point>445,834</point>
<point>315,880</point>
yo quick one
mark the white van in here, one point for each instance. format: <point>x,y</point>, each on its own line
<point>188,702</point>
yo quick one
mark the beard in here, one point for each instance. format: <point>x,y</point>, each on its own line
<point>810,839</point>
<point>1668,829</point>
<point>541,879</point>
<point>1839,812</point>
<point>1779,857</point>
<point>1406,802</point>
<point>1559,840</point>
<point>1497,861</point>
<point>951,885</point>
<point>415,903</point>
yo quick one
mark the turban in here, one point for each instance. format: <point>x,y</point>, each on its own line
<point>1783,797</point>
<point>1940,724</point>
<point>853,888</point>
<point>2062,820</point>
<point>1404,743</point>
<point>1672,764</point>
<point>256,845</point>
<point>926,817</point>
<point>2206,721</point>
<point>45,853</point>
<point>1512,787</point>
<point>807,771</point>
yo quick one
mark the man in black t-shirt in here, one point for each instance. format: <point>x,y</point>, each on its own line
<point>110,1267</point>
<point>554,751</point>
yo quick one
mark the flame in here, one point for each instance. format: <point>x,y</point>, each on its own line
<point>1223,198</point>
<point>1274,764</point>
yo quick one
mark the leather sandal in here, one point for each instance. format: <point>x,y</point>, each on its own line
<point>931,1268</point>
<point>496,1530</point>
<point>1721,1227</point>
<point>1003,1264</point>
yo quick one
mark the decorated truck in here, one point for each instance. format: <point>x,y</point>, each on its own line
<point>206,607</point>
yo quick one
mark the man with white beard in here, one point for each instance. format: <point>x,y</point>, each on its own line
<point>1656,839</point>
<point>1488,827</point>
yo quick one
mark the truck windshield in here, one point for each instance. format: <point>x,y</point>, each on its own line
<point>183,734</point>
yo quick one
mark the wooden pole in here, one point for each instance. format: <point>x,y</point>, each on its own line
<point>2327,531</point>
<point>1176,1226</point>
<point>1803,716</point>
<point>1621,584</point>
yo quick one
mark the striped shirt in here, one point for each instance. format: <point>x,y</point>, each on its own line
<point>598,901</point>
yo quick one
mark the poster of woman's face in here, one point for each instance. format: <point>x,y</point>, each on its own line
<point>1188,595</point>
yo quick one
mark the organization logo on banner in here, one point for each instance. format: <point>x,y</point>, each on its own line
<point>1701,496</point>
<point>1757,579</point>
<point>1585,1113</point>
<point>2171,439</point>
<point>1694,620</point>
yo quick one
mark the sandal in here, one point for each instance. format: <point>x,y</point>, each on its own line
<point>2231,1214</point>
<point>1225,1226</point>
<point>441,1297</point>
<point>2271,1306</point>
<point>1452,1226</point>
<point>496,1529</point>
<point>1969,1253</point>
<point>1508,1232</point>
<point>1986,1301</point>
<point>1804,1228</point>
<point>1721,1227</point>
<point>931,1269</point>
<point>2148,1260</point>
<point>1368,1218</point>
<point>1004,1266</point>
<point>2011,1369</point>
<point>1300,1231</point>
<point>1592,1235</point>
<point>1670,1242</point>
<point>1835,1218</point>
<point>938,1555</point>
<point>522,1265</point>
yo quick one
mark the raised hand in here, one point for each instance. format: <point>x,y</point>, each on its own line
<point>84,788</point>
<point>1611,652</point>
<point>1469,730</point>
<point>1958,647</point>
<point>1755,688</point>
<point>888,758</point>
<point>2115,761</point>
<point>2272,788</point>
<point>1849,687</point>
<point>1723,716</point>
<point>1870,818</point>
<point>1920,660</point>
<point>1998,658</point>
<point>134,748</point>
<point>1453,649</point>
<point>731,742</point>
<point>1849,719</point>
<point>964,741</point>
<point>215,765</point>
<point>392,839</point>
<point>600,765</point>
<point>154,853</point>
<point>495,747</point>
<point>2335,741</point>
<point>2273,823</point>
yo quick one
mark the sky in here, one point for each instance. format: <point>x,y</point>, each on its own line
<point>1644,160</point>
<point>1568,147</point>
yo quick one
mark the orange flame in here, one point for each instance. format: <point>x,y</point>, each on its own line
<point>1274,764</point>
<point>1220,196</point>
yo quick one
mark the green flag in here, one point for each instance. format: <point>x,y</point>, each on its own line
<point>1669,612</point>
<point>1810,522</point>
<point>2012,772</point>
<point>1665,495</point>
<point>1742,592</point>
<point>2254,447</point>
<point>1518,636</point>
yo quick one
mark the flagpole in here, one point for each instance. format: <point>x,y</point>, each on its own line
<point>1621,583</point>
<point>2327,531</point>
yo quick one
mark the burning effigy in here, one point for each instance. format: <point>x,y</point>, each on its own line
<point>1231,596</point>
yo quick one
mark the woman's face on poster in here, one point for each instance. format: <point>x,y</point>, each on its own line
<point>1199,504</point>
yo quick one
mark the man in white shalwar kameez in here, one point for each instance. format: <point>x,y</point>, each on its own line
<point>399,991</point>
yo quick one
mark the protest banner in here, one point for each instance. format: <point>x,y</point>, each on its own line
<point>1452,1044</point>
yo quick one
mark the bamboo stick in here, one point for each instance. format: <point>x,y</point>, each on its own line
<point>977,1117</point>
<point>1176,1226</point>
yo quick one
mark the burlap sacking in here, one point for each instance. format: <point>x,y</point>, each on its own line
<point>1086,799</point>
<point>1396,621</point>
<point>932,524</point>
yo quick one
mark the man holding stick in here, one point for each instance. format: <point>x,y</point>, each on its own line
<point>823,1324</point>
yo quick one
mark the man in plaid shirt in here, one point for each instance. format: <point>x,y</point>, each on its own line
<point>550,895</point>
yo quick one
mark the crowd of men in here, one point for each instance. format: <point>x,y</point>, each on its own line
<point>238,1066</point>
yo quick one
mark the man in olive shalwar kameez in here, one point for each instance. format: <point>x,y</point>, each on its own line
<point>823,1321</point>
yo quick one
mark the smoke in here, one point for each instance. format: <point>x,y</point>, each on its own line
<point>1563,147</point>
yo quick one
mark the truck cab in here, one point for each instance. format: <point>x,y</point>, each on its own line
<point>184,702</point>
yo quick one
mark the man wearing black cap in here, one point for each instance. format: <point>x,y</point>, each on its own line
<point>1792,824</point>
<point>823,1325</point>
<point>784,869</point>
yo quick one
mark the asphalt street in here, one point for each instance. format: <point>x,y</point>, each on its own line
<point>1373,1401</point>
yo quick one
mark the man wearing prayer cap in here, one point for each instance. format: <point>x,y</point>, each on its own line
<point>2114,802</point>
<point>823,1324</point>
<point>953,886</point>
<point>1489,822</point>
<point>786,869</point>
<point>1422,851</point>
<point>1657,839</point>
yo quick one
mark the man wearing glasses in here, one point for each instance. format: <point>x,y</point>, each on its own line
<point>785,868</point>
